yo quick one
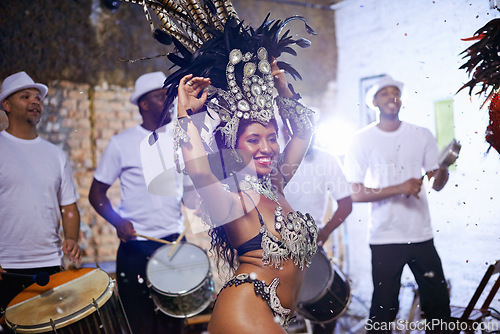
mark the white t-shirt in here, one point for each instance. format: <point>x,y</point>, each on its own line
<point>379,159</point>
<point>152,215</point>
<point>316,180</point>
<point>35,180</point>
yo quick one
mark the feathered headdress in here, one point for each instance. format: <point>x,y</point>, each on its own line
<point>211,41</point>
<point>484,67</point>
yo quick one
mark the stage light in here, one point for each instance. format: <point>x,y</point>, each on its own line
<point>334,135</point>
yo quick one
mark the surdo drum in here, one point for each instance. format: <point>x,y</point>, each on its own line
<point>75,301</point>
<point>180,283</point>
<point>325,294</point>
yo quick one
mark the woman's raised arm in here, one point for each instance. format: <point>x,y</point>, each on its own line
<point>216,199</point>
<point>296,116</point>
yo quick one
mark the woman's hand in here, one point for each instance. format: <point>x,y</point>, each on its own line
<point>280,81</point>
<point>189,90</point>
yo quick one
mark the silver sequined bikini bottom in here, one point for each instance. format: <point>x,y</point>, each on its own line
<point>267,293</point>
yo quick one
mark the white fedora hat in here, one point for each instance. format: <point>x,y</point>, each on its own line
<point>147,83</point>
<point>383,82</point>
<point>18,81</point>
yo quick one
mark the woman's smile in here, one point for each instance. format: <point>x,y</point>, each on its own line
<point>259,143</point>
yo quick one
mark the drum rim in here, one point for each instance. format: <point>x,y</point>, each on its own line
<point>305,315</point>
<point>335,269</point>
<point>198,310</point>
<point>70,318</point>
<point>184,292</point>
<point>328,284</point>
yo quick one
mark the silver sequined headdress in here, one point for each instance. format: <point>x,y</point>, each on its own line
<point>211,41</point>
<point>252,100</point>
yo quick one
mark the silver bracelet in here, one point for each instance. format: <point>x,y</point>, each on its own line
<point>180,135</point>
<point>295,112</point>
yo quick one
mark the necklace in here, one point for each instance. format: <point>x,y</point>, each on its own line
<point>261,186</point>
<point>264,187</point>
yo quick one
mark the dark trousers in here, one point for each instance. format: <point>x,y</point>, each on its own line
<point>131,261</point>
<point>324,328</point>
<point>10,287</point>
<point>423,260</point>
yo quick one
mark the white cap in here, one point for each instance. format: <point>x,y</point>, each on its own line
<point>385,81</point>
<point>147,83</point>
<point>19,81</point>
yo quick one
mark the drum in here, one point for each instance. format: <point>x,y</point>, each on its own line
<point>181,284</point>
<point>325,293</point>
<point>75,301</point>
<point>449,154</point>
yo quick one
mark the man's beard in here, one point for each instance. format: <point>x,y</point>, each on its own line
<point>33,120</point>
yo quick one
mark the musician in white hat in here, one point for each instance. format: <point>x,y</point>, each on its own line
<point>385,164</point>
<point>141,212</point>
<point>37,192</point>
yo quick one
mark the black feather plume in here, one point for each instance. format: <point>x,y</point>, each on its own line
<point>204,32</point>
<point>484,60</point>
<point>162,37</point>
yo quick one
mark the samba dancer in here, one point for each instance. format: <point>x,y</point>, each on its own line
<point>271,255</point>
<point>230,71</point>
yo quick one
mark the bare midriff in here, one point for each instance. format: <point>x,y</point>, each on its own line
<point>290,276</point>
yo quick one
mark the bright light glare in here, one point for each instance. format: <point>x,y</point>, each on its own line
<point>334,135</point>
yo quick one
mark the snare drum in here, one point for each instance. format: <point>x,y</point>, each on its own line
<point>75,301</point>
<point>181,284</point>
<point>325,293</point>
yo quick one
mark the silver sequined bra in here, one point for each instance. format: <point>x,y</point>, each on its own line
<point>298,239</point>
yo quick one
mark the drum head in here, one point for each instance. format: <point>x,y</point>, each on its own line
<point>318,278</point>
<point>63,303</point>
<point>183,271</point>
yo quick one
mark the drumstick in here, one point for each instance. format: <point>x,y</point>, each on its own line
<point>153,239</point>
<point>176,243</point>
